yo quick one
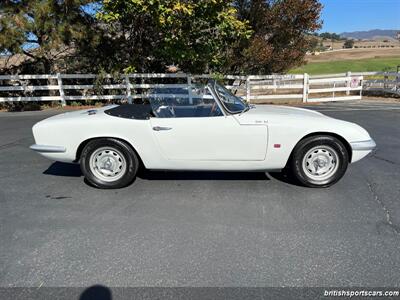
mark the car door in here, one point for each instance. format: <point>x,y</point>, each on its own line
<point>219,138</point>
<point>216,137</point>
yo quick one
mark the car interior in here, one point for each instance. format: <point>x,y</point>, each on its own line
<point>169,104</point>
<point>186,111</point>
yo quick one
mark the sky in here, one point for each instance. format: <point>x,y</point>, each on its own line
<point>354,15</point>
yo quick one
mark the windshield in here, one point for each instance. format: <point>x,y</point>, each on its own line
<point>231,102</point>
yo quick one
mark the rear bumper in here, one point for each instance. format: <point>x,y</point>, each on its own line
<point>363,145</point>
<point>48,149</point>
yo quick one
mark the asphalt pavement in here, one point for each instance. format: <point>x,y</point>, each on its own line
<point>173,229</point>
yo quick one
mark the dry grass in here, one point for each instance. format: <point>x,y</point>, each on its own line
<point>352,54</point>
<point>372,43</point>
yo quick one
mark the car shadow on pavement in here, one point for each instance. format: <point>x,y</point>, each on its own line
<point>285,177</point>
<point>96,292</point>
<point>200,175</point>
<point>64,169</point>
<point>73,170</point>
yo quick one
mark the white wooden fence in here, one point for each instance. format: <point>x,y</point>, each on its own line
<point>269,88</point>
<point>388,82</point>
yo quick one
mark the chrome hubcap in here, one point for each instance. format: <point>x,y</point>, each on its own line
<point>320,163</point>
<point>107,164</point>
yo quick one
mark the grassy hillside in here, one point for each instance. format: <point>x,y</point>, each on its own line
<point>341,66</point>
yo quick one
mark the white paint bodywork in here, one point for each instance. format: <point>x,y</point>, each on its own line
<point>231,142</point>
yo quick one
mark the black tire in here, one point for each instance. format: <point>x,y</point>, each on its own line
<point>324,152</point>
<point>126,157</point>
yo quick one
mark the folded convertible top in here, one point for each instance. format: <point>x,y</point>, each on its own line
<point>131,111</point>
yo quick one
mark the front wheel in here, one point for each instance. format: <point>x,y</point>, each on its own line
<point>319,161</point>
<point>109,163</point>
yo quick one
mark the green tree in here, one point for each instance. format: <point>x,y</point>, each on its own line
<point>235,36</point>
<point>193,35</point>
<point>281,34</point>
<point>348,44</point>
<point>314,44</point>
<point>330,36</point>
<point>48,32</point>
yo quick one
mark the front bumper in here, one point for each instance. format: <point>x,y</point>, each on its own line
<point>48,149</point>
<point>363,145</point>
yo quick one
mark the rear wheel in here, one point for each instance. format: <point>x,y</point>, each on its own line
<point>319,161</point>
<point>109,163</point>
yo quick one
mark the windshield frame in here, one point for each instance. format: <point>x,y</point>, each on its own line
<point>213,83</point>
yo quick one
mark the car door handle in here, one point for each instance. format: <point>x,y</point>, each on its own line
<point>160,128</point>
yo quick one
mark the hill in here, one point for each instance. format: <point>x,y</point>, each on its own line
<point>371,34</point>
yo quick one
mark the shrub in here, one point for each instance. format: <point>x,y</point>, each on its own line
<point>75,103</point>
<point>348,44</point>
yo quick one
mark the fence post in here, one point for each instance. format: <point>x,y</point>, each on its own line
<point>385,80</point>
<point>398,80</point>
<point>305,87</point>
<point>348,83</point>
<point>128,89</point>
<point>61,90</point>
<point>248,89</point>
<point>189,83</point>
<point>274,82</point>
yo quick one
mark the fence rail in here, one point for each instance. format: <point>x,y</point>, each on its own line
<point>305,88</point>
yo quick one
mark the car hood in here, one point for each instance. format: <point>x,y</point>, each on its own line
<point>267,113</point>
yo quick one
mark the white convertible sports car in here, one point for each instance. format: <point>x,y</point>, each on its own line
<point>206,129</point>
